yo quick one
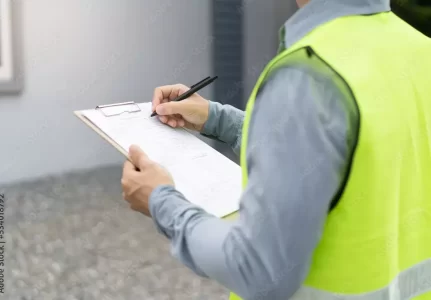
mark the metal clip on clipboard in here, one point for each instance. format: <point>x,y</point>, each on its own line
<point>117,109</point>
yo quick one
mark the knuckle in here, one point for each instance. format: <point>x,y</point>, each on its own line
<point>143,162</point>
<point>146,167</point>
<point>181,87</point>
<point>124,183</point>
<point>157,90</point>
<point>167,110</point>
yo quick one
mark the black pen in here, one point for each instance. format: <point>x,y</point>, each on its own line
<point>203,80</point>
<point>194,88</point>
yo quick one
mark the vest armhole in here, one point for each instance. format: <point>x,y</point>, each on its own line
<point>305,55</point>
<point>310,52</point>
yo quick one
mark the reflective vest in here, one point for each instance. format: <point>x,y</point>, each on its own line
<point>376,242</point>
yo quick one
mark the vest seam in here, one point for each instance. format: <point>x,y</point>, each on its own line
<point>310,52</point>
<point>340,191</point>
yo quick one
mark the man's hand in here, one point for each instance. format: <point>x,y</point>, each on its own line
<point>138,185</point>
<point>191,113</point>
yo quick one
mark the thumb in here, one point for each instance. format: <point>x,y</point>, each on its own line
<point>171,108</point>
<point>137,156</point>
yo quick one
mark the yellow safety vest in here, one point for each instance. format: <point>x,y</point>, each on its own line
<point>377,240</point>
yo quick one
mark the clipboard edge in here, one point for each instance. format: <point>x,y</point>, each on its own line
<point>83,118</point>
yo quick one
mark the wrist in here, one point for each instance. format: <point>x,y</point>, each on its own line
<point>209,128</point>
<point>206,114</point>
<point>164,202</point>
<point>158,195</point>
<point>203,114</point>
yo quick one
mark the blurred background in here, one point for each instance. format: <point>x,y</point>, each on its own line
<point>68,233</point>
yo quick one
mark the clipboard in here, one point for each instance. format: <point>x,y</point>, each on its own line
<point>106,110</point>
<point>227,208</point>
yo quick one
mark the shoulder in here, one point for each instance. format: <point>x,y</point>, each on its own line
<point>311,100</point>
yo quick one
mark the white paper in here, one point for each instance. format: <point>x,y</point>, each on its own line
<point>205,177</point>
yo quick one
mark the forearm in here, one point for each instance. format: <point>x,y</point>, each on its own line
<point>225,123</point>
<point>232,253</point>
<point>184,224</point>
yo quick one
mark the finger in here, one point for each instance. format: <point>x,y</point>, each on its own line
<point>163,119</point>
<point>180,121</point>
<point>173,108</point>
<point>125,187</point>
<point>177,90</point>
<point>166,93</point>
<point>135,207</point>
<point>172,122</point>
<point>158,96</point>
<point>138,157</point>
<point>128,167</point>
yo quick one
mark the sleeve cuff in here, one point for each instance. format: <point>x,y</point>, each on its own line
<point>166,205</point>
<point>161,213</point>
<point>224,124</point>
<point>210,127</point>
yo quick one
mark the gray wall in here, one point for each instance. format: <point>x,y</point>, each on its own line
<point>263,19</point>
<point>81,53</point>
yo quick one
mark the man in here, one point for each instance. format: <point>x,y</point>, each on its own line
<point>336,157</point>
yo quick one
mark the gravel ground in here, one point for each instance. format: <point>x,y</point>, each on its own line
<point>73,237</point>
